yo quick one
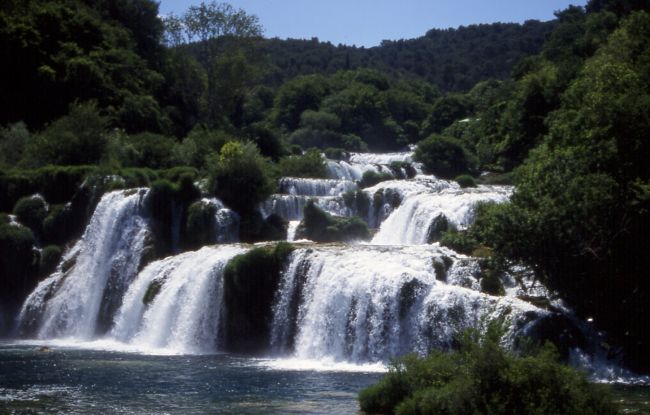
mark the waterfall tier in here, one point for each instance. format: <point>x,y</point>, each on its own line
<point>79,298</point>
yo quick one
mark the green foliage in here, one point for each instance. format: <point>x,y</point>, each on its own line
<point>31,211</point>
<point>200,225</point>
<point>77,138</point>
<point>578,215</point>
<point>250,281</point>
<point>50,257</point>
<point>311,164</point>
<point>320,226</point>
<point>482,377</point>
<point>240,176</point>
<point>443,156</point>
<point>371,178</point>
<point>465,180</point>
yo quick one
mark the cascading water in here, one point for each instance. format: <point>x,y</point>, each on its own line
<point>411,222</point>
<point>226,222</point>
<point>367,303</point>
<point>93,275</point>
<point>176,303</point>
<point>344,303</point>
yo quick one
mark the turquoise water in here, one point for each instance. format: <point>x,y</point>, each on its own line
<point>89,382</point>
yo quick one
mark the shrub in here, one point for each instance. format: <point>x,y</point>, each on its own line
<point>465,180</point>
<point>371,178</point>
<point>443,156</point>
<point>320,226</point>
<point>57,226</point>
<point>240,176</point>
<point>77,138</point>
<point>481,377</point>
<point>459,241</point>
<point>31,211</point>
<point>311,164</point>
<point>50,257</point>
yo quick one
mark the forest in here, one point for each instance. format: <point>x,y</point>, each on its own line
<point>110,93</point>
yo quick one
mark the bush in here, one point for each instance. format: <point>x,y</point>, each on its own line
<point>57,226</point>
<point>320,226</point>
<point>443,156</point>
<point>459,241</point>
<point>311,164</point>
<point>31,211</point>
<point>465,180</point>
<point>77,138</point>
<point>241,177</point>
<point>483,378</point>
<point>150,150</point>
<point>371,178</point>
<point>50,257</point>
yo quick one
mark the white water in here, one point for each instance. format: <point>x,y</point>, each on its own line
<point>106,258</point>
<point>315,187</point>
<point>184,315</point>
<point>337,307</point>
<point>226,222</point>
<point>366,304</point>
<point>409,224</point>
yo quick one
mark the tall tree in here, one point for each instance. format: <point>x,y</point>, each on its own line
<point>219,29</point>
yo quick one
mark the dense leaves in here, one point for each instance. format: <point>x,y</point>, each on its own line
<point>482,378</point>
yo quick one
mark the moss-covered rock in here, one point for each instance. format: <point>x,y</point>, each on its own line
<point>490,277</point>
<point>152,291</point>
<point>441,266</point>
<point>437,228</point>
<point>358,201</point>
<point>200,225</point>
<point>371,178</point>
<point>274,228</point>
<point>320,226</point>
<point>465,180</point>
<point>250,283</point>
<point>18,264</point>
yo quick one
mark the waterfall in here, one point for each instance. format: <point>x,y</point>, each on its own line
<point>315,187</point>
<point>400,293</point>
<point>290,207</point>
<point>89,282</point>
<point>368,303</point>
<point>411,222</point>
<point>226,222</point>
<point>176,303</point>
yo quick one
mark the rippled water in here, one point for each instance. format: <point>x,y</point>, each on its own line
<point>74,381</point>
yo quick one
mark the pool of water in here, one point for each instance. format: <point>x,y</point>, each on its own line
<point>68,380</point>
<point>74,381</point>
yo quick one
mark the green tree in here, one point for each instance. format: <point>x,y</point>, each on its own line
<point>240,176</point>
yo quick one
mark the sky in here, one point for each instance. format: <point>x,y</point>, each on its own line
<point>368,22</point>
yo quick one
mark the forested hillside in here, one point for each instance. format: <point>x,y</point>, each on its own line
<point>451,59</point>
